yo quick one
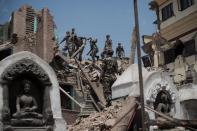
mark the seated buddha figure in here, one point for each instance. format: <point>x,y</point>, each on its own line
<point>26,104</point>
<point>164,105</point>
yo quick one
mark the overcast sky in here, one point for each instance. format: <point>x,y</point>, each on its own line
<point>92,18</point>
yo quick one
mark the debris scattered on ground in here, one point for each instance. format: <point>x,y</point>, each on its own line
<point>103,121</point>
<point>100,121</point>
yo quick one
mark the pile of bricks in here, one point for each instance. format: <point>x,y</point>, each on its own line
<point>100,121</point>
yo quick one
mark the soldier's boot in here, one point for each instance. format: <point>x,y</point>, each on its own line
<point>97,57</point>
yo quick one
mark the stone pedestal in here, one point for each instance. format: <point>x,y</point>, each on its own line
<point>29,128</point>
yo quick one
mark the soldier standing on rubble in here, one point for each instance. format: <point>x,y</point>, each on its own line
<point>120,51</point>
<point>108,47</point>
<point>71,42</point>
<point>93,49</point>
<point>108,75</point>
<point>79,41</point>
<point>68,45</point>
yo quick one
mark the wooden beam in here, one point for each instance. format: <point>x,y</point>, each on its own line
<point>97,90</point>
<point>63,91</point>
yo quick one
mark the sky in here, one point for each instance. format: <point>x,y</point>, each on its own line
<point>92,18</point>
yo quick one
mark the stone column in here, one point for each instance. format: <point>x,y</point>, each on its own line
<point>45,33</point>
<point>5,109</point>
<point>48,115</point>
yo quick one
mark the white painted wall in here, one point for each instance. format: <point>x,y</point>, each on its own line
<point>128,85</point>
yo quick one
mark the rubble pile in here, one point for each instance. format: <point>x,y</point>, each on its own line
<point>100,121</point>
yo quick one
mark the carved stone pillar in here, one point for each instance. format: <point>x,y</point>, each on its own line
<point>48,115</point>
<point>5,110</point>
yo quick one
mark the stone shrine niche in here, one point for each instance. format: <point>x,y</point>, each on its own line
<point>13,79</point>
<point>16,89</point>
<point>26,96</point>
<point>161,94</point>
<point>163,102</point>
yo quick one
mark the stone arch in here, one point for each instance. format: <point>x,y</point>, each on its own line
<point>128,84</point>
<point>28,63</point>
<point>154,83</point>
<point>25,66</point>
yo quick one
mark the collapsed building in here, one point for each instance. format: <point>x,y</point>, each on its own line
<point>33,31</point>
<point>169,71</point>
<point>176,50</point>
<point>29,30</point>
<point>166,70</point>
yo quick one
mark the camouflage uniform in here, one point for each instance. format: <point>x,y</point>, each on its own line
<point>110,68</point>
<point>119,51</point>
<point>108,47</point>
<point>72,42</point>
<point>79,41</point>
<point>68,45</point>
<point>93,50</point>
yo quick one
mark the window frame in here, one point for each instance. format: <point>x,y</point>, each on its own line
<point>166,9</point>
<point>180,8</point>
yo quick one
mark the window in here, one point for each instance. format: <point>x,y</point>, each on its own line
<point>184,4</point>
<point>147,61</point>
<point>167,12</point>
<point>169,56</point>
<point>190,48</point>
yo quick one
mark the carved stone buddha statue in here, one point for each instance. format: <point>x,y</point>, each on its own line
<point>26,104</point>
<point>164,104</point>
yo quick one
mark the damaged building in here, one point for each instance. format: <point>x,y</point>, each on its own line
<point>79,95</point>
<point>169,66</point>
<point>35,33</point>
<point>169,74</point>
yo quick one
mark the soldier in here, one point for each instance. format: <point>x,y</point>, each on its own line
<point>68,45</point>
<point>66,38</point>
<point>120,51</point>
<point>71,45</point>
<point>108,75</point>
<point>108,46</point>
<point>93,49</point>
<point>79,41</point>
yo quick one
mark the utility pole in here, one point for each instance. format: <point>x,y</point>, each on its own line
<point>139,64</point>
<point>133,47</point>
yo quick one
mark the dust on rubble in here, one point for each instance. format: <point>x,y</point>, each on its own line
<point>100,121</point>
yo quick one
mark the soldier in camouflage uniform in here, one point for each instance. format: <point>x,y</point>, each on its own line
<point>108,76</point>
<point>119,51</point>
<point>72,42</point>
<point>93,49</point>
<point>108,47</point>
<point>68,45</point>
<point>79,41</point>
